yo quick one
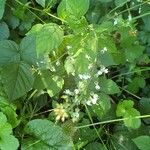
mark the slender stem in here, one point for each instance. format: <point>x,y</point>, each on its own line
<point>127,73</point>
<point>112,121</point>
<point>95,128</point>
<point>131,93</point>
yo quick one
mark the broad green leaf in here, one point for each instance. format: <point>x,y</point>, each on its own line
<point>132,122</point>
<point>48,135</point>
<point>41,2</point>
<point>53,84</point>
<point>106,59</point>
<point>17,79</point>
<point>48,37</point>
<point>102,106</point>
<point>133,52</point>
<point>144,106</point>
<point>74,8</point>
<point>136,84</point>
<point>120,2</point>
<point>10,111</point>
<point>126,110</point>
<point>95,146</point>
<point>69,65</point>
<point>9,52</point>
<point>2,8</point>
<point>124,106</point>
<point>142,142</point>
<point>146,18</point>
<point>28,50</point>
<point>108,86</point>
<point>4,31</point>
<point>8,141</point>
<point>122,138</point>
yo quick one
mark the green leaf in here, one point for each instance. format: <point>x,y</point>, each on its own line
<point>69,65</point>
<point>48,37</point>
<point>48,135</point>
<point>4,31</point>
<point>124,106</point>
<point>10,111</point>
<point>126,110</point>
<point>108,86</point>
<point>144,106</point>
<point>103,105</point>
<point>120,2</point>
<point>8,141</point>
<point>2,7</point>
<point>132,122</point>
<point>41,2</point>
<point>28,50</point>
<point>17,79</point>
<point>142,142</point>
<point>95,146</point>
<point>9,52</point>
<point>133,52</point>
<point>73,8</point>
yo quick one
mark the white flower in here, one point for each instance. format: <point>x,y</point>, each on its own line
<point>93,99</point>
<point>75,115</point>
<point>58,63</point>
<point>76,91</point>
<point>68,47</point>
<point>104,50</point>
<point>115,21</point>
<point>104,70</point>
<point>90,66</point>
<point>52,68</point>
<point>84,76</point>
<point>89,102</point>
<point>97,87</point>
<point>101,71</point>
<point>68,92</point>
<point>129,17</point>
<point>88,57</point>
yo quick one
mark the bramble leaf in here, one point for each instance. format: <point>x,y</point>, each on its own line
<point>17,79</point>
<point>48,37</point>
<point>2,7</point>
<point>46,134</point>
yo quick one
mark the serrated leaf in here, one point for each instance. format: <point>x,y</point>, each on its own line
<point>48,134</point>
<point>2,7</point>
<point>132,122</point>
<point>120,2</point>
<point>108,86</point>
<point>10,111</point>
<point>28,50</point>
<point>133,52</point>
<point>9,52</point>
<point>144,106</point>
<point>48,37</point>
<point>124,106</point>
<point>8,141</point>
<point>4,31</point>
<point>69,65</point>
<point>95,146</point>
<point>73,8</point>
<point>41,2</point>
<point>102,106</point>
<point>126,110</point>
<point>142,142</point>
<point>17,79</point>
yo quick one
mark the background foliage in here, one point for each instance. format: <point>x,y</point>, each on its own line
<point>74,74</point>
